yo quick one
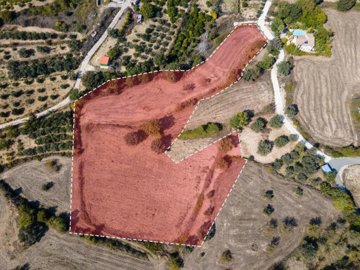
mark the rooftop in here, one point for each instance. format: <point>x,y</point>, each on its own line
<point>104,60</point>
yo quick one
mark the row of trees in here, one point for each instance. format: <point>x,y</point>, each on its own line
<point>203,131</point>
<point>30,35</point>
<point>25,69</point>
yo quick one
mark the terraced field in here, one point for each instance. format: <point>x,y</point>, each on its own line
<point>325,87</point>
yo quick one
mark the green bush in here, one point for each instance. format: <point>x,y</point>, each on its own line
<point>292,110</point>
<point>59,223</point>
<point>269,209</point>
<point>293,137</point>
<point>285,68</point>
<point>277,121</point>
<point>281,141</point>
<point>203,131</point>
<point>269,194</point>
<point>266,63</point>
<point>345,5</point>
<point>74,94</point>
<point>259,124</point>
<point>240,120</point>
<point>265,147</point>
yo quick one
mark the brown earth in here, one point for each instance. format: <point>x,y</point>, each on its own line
<point>120,189</point>
<point>243,228</point>
<point>325,86</point>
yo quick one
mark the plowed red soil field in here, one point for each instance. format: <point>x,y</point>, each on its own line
<point>130,188</point>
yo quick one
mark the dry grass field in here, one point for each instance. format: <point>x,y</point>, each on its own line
<point>58,251</point>
<point>31,176</point>
<point>325,87</point>
<point>243,228</point>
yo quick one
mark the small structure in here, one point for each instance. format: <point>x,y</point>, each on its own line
<point>326,168</point>
<point>303,40</point>
<point>104,62</point>
<point>139,18</point>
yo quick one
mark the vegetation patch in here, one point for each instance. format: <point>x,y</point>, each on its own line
<point>204,131</point>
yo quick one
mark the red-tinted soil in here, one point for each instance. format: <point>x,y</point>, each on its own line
<point>131,191</point>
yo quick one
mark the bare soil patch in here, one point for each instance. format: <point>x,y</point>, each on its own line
<point>325,87</point>
<point>137,191</point>
<point>249,141</point>
<point>244,229</point>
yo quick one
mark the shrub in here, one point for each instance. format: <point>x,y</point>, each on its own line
<point>267,62</point>
<point>285,68</point>
<point>226,256</point>
<point>309,247</point>
<point>60,223</point>
<point>259,124</point>
<point>269,209</point>
<point>293,137</point>
<point>25,53</point>
<point>269,194</point>
<point>203,131</point>
<point>226,144</point>
<point>278,163</point>
<point>42,98</point>
<point>136,137</point>
<point>276,121</point>
<point>290,222</point>
<point>281,141</point>
<point>152,127</point>
<point>54,96</point>
<point>345,5</point>
<point>32,234</point>
<point>275,241</point>
<point>74,94</point>
<point>265,147</point>
<point>316,221</point>
<point>47,186</point>
<point>273,223</point>
<point>240,120</point>
<point>18,111</point>
<point>292,110</point>
<point>299,191</point>
<point>158,146</point>
<point>64,86</point>
<point>223,162</point>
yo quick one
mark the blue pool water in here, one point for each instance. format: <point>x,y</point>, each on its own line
<point>298,32</point>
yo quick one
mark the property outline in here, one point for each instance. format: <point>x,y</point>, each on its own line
<point>198,102</point>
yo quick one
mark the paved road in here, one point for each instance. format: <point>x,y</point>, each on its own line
<point>84,66</point>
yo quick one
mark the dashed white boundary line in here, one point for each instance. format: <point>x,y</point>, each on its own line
<point>223,204</point>
<point>157,71</point>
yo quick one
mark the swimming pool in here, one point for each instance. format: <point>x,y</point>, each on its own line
<point>298,32</point>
